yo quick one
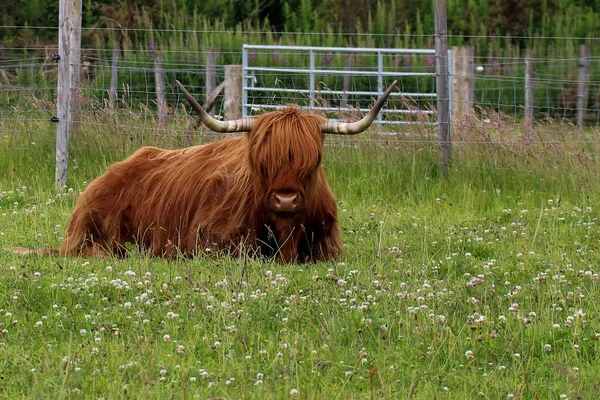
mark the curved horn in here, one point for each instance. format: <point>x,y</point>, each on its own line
<point>346,128</point>
<point>237,125</point>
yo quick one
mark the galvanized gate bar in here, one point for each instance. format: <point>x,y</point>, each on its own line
<point>311,73</point>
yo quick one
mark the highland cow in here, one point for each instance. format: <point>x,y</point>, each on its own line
<point>261,193</point>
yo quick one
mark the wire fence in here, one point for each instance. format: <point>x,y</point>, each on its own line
<point>28,87</point>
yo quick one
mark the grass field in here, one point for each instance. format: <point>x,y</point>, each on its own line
<point>483,285</point>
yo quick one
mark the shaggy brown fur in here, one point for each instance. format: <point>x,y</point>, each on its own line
<point>215,196</point>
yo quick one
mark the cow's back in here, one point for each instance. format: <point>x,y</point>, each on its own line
<point>153,197</point>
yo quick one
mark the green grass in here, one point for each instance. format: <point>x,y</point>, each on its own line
<point>482,285</point>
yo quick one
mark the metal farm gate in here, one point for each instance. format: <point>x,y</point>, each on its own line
<point>341,80</point>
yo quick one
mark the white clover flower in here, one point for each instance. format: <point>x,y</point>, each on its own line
<point>167,338</point>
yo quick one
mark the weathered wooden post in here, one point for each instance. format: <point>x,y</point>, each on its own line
<point>211,74</point>
<point>462,80</point>
<point>442,83</point>
<point>69,50</point>
<point>233,92</point>
<point>161,97</point>
<point>114,77</point>
<point>585,54</point>
<point>346,82</point>
<point>75,62</point>
<point>529,90</point>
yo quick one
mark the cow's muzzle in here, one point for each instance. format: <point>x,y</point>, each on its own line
<point>285,202</point>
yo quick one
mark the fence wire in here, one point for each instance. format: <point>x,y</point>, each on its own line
<point>28,86</point>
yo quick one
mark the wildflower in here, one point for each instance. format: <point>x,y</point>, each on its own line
<point>469,354</point>
<point>167,338</point>
<point>548,347</point>
<point>293,392</point>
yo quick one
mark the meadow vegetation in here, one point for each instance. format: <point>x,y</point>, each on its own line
<point>481,285</point>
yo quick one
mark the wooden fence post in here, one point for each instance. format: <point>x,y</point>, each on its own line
<point>346,82</point>
<point>233,92</point>
<point>75,62</point>
<point>161,97</point>
<point>69,47</point>
<point>462,80</point>
<point>585,54</point>
<point>442,83</point>
<point>211,74</point>
<point>529,89</point>
<point>114,77</point>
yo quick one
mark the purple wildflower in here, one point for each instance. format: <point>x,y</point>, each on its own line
<point>327,59</point>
